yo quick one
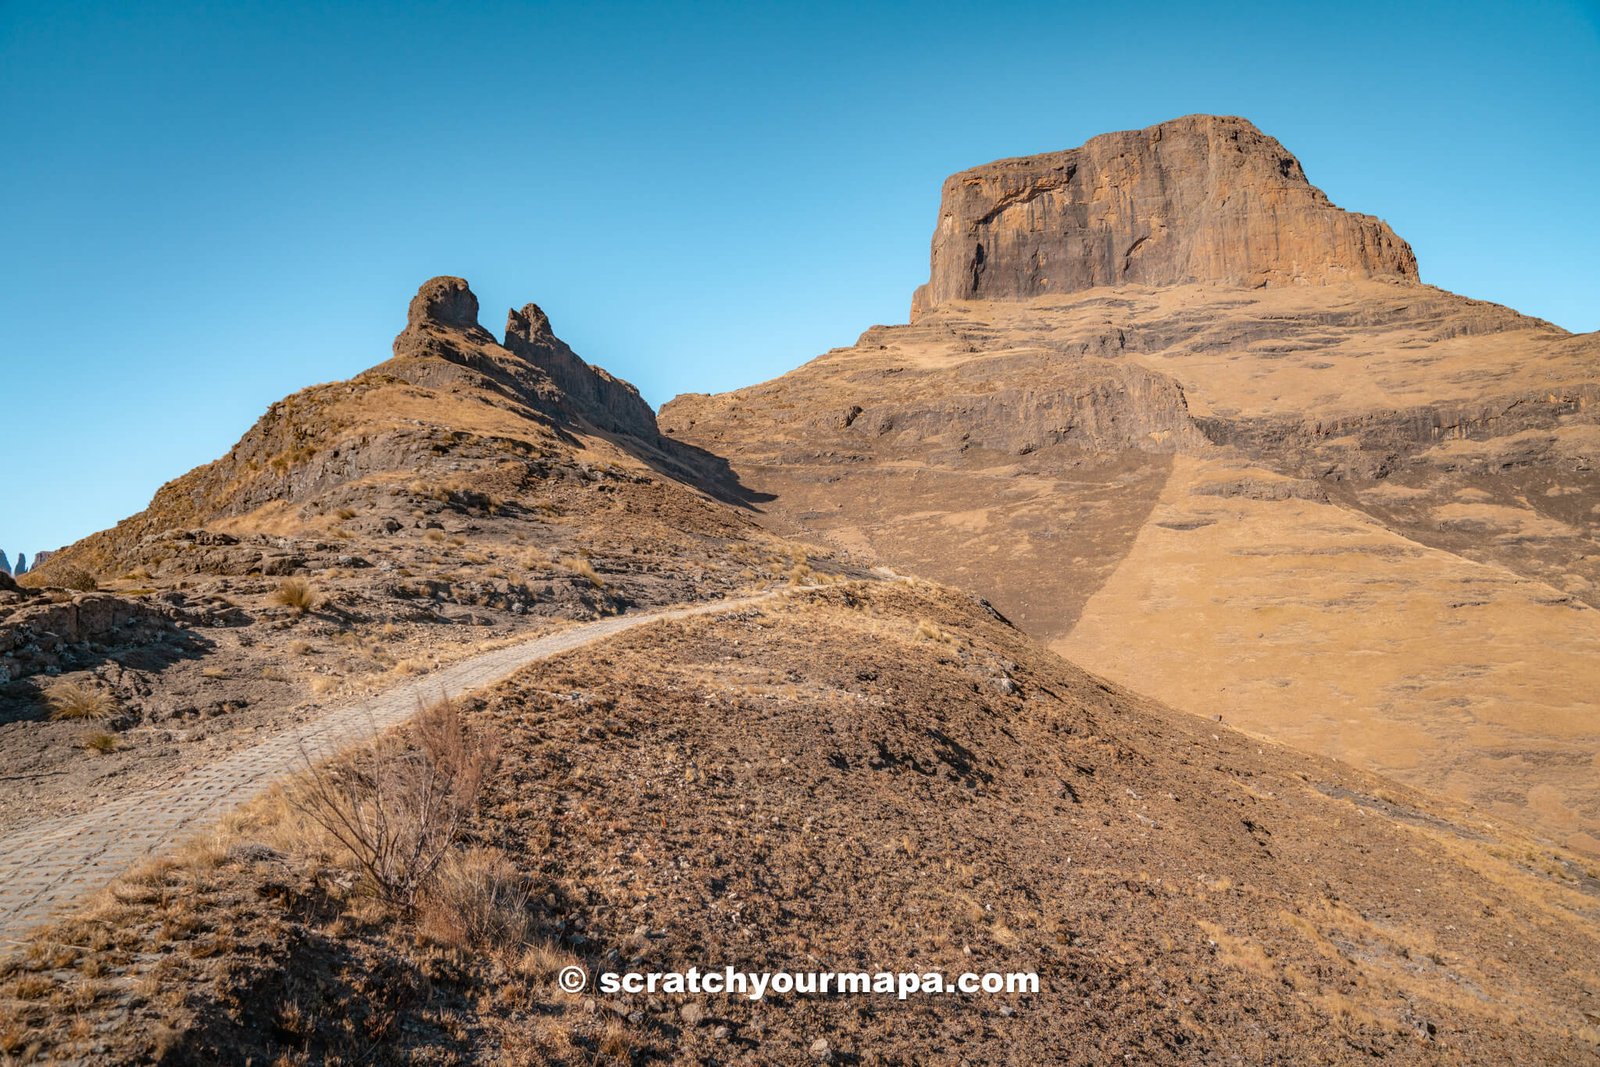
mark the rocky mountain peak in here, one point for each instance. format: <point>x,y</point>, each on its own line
<point>529,326</point>
<point>1203,198</point>
<point>444,301</point>
<point>443,345</point>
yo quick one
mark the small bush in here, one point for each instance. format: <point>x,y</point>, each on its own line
<point>74,578</point>
<point>399,813</point>
<point>298,595</point>
<point>74,700</point>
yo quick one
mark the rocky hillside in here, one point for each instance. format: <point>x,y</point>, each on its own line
<point>1355,512</point>
<point>461,493</point>
<point>879,776</point>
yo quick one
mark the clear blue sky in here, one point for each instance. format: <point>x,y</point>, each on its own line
<point>207,207</point>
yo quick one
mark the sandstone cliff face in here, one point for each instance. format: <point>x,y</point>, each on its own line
<point>1198,199</point>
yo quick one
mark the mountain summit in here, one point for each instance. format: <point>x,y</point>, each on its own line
<point>1203,198</point>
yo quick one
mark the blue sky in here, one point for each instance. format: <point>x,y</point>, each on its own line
<point>207,207</point>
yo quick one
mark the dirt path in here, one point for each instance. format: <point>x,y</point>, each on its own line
<point>46,866</point>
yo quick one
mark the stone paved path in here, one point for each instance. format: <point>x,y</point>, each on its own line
<point>46,866</point>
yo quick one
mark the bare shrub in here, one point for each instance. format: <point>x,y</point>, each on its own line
<point>399,812</point>
<point>74,700</point>
<point>74,578</point>
<point>298,595</point>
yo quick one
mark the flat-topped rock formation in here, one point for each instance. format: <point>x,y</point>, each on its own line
<point>1199,199</point>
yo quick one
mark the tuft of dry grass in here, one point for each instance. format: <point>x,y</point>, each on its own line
<point>74,700</point>
<point>298,595</point>
<point>345,514</point>
<point>100,741</point>
<point>478,898</point>
<point>323,684</point>
<point>616,1043</point>
<point>583,569</point>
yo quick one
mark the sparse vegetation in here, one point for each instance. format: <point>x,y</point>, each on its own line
<point>74,700</point>
<point>100,741</point>
<point>298,595</point>
<point>583,569</point>
<point>477,898</point>
<point>66,576</point>
<point>323,684</point>
<point>399,813</point>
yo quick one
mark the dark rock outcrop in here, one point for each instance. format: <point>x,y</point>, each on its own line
<point>1198,199</point>
<point>443,344</point>
<point>604,400</point>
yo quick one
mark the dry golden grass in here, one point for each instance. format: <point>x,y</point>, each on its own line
<point>100,741</point>
<point>323,684</point>
<point>74,700</point>
<point>616,1043</point>
<point>583,569</point>
<point>477,898</point>
<point>298,595</point>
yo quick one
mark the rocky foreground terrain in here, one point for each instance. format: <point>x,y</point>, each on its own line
<point>1175,415</point>
<point>1206,434</point>
<point>877,775</point>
